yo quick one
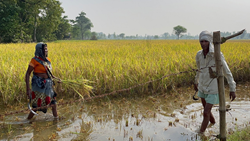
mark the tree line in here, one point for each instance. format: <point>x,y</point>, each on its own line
<point>40,20</point>
<point>163,36</point>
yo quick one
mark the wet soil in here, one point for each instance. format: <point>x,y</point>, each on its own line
<point>157,117</point>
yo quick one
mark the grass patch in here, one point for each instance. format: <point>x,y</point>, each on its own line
<point>240,135</point>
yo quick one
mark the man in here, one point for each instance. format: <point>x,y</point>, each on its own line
<point>206,82</point>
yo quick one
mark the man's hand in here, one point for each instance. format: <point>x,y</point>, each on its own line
<point>232,96</point>
<point>196,87</point>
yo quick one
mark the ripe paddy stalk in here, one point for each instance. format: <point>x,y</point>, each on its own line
<point>115,65</point>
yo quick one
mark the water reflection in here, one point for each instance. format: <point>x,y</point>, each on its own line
<point>159,117</point>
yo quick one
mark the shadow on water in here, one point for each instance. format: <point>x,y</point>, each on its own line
<point>172,116</point>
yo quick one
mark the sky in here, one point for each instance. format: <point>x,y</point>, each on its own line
<point>155,17</point>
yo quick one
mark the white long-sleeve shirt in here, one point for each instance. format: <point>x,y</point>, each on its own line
<point>206,84</point>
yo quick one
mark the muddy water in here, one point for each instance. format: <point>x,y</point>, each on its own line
<point>159,117</point>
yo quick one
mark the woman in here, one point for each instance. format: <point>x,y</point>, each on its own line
<point>42,93</point>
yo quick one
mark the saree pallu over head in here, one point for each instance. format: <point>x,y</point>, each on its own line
<point>40,56</point>
<point>40,52</point>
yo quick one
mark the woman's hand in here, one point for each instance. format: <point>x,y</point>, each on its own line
<point>28,93</point>
<point>58,79</point>
<point>27,80</point>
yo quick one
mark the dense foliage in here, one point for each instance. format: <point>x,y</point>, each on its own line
<point>38,20</point>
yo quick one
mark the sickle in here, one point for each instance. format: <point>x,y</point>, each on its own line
<point>30,108</point>
<point>194,98</point>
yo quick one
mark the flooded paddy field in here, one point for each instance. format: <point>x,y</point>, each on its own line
<point>157,117</point>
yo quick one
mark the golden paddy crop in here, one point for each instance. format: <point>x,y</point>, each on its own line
<point>116,64</point>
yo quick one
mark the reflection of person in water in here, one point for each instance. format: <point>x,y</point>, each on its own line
<point>42,93</point>
<point>205,82</point>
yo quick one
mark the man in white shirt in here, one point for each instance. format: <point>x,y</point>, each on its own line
<point>206,81</point>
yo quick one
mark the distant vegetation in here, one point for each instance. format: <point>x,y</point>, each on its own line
<point>164,36</point>
<point>36,21</point>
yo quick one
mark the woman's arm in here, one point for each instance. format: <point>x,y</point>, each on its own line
<point>27,80</point>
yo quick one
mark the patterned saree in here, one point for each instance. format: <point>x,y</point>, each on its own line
<point>42,89</point>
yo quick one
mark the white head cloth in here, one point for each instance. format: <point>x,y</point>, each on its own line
<point>205,35</point>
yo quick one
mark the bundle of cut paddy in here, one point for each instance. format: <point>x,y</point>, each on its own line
<point>79,85</point>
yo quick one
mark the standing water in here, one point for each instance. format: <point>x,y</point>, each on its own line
<point>160,117</point>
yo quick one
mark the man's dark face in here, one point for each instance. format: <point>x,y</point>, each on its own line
<point>204,44</point>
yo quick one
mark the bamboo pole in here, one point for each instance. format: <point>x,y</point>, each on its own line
<point>220,80</point>
<point>224,39</point>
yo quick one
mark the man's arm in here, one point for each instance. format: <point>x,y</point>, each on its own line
<point>227,73</point>
<point>197,73</point>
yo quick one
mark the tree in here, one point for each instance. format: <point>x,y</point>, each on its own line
<point>63,29</point>
<point>39,18</point>
<point>122,35</point>
<point>114,35</point>
<point>87,35</point>
<point>101,35</point>
<point>9,20</point>
<point>109,36</point>
<point>27,20</point>
<point>75,30</point>
<point>156,37</point>
<point>165,35</point>
<point>48,20</point>
<point>178,30</point>
<point>93,36</point>
<point>84,24</point>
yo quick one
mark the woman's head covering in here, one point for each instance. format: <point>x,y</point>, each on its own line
<point>205,35</point>
<point>40,52</point>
